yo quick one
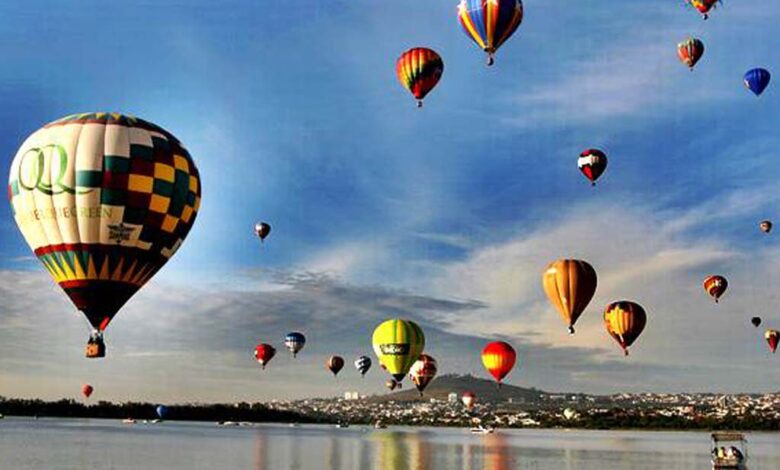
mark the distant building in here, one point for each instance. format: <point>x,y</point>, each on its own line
<point>452,397</point>
<point>351,396</point>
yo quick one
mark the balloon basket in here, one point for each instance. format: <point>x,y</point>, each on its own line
<point>95,348</point>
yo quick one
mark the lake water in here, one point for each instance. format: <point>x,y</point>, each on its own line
<point>65,444</point>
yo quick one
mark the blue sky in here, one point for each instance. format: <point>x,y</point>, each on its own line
<point>446,214</point>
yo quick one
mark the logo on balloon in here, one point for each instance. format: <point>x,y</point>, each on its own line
<point>34,177</point>
<point>394,349</point>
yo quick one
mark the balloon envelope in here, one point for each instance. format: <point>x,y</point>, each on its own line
<point>423,371</point>
<point>104,200</point>
<point>756,80</point>
<point>469,399</point>
<point>756,321</point>
<point>398,343</point>
<point>87,390</point>
<point>570,285</point>
<point>715,286</point>
<point>335,364</point>
<point>772,337</point>
<point>490,23</point>
<point>262,230</point>
<point>625,321</point>
<point>264,353</point>
<point>499,358</point>
<point>362,364</point>
<point>419,70</point>
<point>592,163</point>
<point>294,342</point>
<point>765,226</point>
<point>690,51</point>
<point>162,411</point>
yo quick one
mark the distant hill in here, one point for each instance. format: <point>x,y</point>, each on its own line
<point>486,390</point>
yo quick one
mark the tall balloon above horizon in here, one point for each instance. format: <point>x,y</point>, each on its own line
<point>104,200</point>
<point>489,23</point>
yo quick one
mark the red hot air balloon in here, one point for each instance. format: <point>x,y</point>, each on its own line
<point>772,336</point>
<point>419,70</point>
<point>592,163</point>
<point>715,286</point>
<point>264,353</point>
<point>690,51</point>
<point>87,390</point>
<point>499,358</point>
<point>335,364</point>
<point>422,372</point>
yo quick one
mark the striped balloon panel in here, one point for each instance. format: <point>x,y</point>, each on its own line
<point>398,343</point>
<point>690,51</point>
<point>419,70</point>
<point>103,200</point>
<point>624,321</point>
<point>489,23</point>
<point>570,285</point>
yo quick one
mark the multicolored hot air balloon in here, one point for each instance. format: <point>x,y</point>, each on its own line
<point>756,80</point>
<point>756,321</point>
<point>294,342</point>
<point>592,163</point>
<point>765,226</point>
<point>704,6</point>
<point>419,70</point>
<point>499,358</point>
<point>715,286</point>
<point>264,353</point>
<point>489,23</point>
<point>469,399</point>
<point>362,364</point>
<point>398,343</point>
<point>262,230</point>
<point>690,51</point>
<point>422,372</point>
<point>104,200</point>
<point>772,337</point>
<point>87,390</point>
<point>624,321</point>
<point>570,285</point>
<point>335,364</point>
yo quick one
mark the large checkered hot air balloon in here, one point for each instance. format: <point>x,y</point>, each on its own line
<point>104,200</point>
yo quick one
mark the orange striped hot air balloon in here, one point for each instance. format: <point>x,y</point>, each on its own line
<point>499,358</point>
<point>419,70</point>
<point>715,286</point>
<point>570,285</point>
<point>624,321</point>
<point>772,337</point>
<point>690,51</point>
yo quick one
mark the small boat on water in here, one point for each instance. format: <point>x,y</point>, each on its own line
<point>1,416</point>
<point>482,430</point>
<point>380,425</point>
<point>128,421</point>
<point>729,451</point>
<point>342,425</point>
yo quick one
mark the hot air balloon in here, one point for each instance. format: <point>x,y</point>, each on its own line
<point>104,200</point>
<point>162,411</point>
<point>294,342</point>
<point>335,364</point>
<point>264,353</point>
<point>87,390</point>
<point>592,163</point>
<point>570,285</point>
<point>765,226</point>
<point>772,337</point>
<point>715,286</point>
<point>469,399</point>
<point>690,51</point>
<point>422,372</point>
<point>756,321</point>
<point>489,23</point>
<point>262,230</point>
<point>362,364</point>
<point>419,70</point>
<point>704,6</point>
<point>391,384</point>
<point>756,80</point>
<point>624,321</point>
<point>499,358</point>
<point>398,343</point>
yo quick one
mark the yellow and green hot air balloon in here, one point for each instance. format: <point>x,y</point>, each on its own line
<point>398,344</point>
<point>104,200</point>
